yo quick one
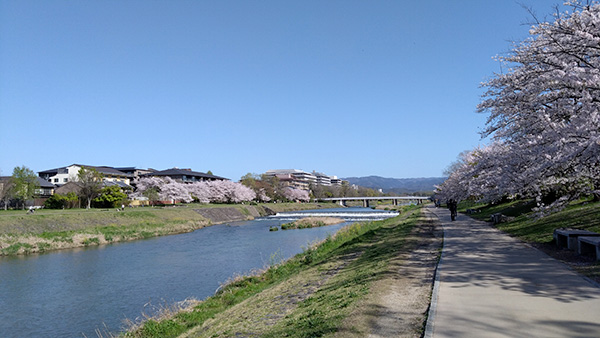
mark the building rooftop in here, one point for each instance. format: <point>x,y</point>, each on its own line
<point>285,172</point>
<point>184,172</point>
<point>101,169</point>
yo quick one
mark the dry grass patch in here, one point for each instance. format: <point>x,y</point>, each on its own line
<point>312,222</point>
<point>255,316</point>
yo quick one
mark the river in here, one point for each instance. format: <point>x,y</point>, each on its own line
<point>73,293</point>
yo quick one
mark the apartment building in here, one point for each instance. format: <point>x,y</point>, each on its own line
<point>301,179</point>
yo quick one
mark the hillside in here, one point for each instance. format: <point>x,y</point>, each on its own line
<point>397,185</point>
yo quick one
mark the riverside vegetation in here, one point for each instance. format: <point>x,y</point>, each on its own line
<point>311,222</point>
<point>316,293</point>
<point>525,224</point>
<point>45,230</point>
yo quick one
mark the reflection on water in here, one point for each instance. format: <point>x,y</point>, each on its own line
<point>72,293</point>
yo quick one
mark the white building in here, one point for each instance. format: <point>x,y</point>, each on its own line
<point>322,179</point>
<point>302,180</point>
<point>336,181</point>
<point>63,175</point>
<point>293,177</point>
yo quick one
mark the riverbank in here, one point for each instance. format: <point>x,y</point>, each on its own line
<point>45,230</point>
<point>334,287</point>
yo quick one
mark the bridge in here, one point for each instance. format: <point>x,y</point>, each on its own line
<point>365,200</point>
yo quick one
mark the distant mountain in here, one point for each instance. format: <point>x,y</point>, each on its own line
<point>397,185</point>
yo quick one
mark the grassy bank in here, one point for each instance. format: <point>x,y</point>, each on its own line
<point>311,222</point>
<point>310,295</point>
<point>23,233</point>
<point>583,214</point>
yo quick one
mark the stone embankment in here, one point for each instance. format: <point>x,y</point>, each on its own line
<point>224,215</point>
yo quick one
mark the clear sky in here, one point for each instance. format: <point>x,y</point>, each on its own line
<point>348,88</point>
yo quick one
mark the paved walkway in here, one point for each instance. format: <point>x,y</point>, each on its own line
<point>491,285</point>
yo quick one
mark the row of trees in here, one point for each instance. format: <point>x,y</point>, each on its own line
<point>166,189</point>
<point>271,188</point>
<point>544,118</point>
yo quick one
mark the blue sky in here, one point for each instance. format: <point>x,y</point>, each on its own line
<point>348,88</point>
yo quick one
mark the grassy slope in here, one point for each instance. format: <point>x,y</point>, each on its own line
<point>582,214</point>
<point>579,215</point>
<point>22,233</point>
<point>308,296</point>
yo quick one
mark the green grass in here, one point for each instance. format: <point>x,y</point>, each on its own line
<point>323,311</point>
<point>91,241</point>
<point>302,225</point>
<point>14,248</point>
<point>513,208</point>
<point>582,214</point>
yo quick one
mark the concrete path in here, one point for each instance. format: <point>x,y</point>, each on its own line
<point>491,285</point>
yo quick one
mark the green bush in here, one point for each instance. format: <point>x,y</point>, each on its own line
<point>110,197</point>
<point>58,201</point>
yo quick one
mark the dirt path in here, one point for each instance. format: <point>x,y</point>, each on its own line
<point>397,304</point>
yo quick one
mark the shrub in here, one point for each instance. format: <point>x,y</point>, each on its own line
<point>110,197</point>
<point>58,201</point>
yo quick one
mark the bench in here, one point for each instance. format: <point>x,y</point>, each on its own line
<point>568,237</point>
<point>499,218</point>
<point>589,245</point>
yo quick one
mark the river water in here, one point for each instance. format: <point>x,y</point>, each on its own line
<point>73,293</point>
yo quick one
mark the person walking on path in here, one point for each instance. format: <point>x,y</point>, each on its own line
<point>453,207</point>
<point>491,285</point>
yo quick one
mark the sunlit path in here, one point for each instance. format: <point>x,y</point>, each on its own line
<point>491,285</point>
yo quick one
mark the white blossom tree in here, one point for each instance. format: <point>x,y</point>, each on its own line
<point>168,189</point>
<point>229,192</point>
<point>294,194</point>
<point>546,107</point>
<point>262,196</point>
<point>544,117</point>
<point>174,191</point>
<point>200,191</point>
<point>162,189</point>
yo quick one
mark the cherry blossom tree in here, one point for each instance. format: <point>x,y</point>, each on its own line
<point>262,196</point>
<point>229,192</point>
<point>546,107</point>
<point>172,190</point>
<point>199,192</point>
<point>163,189</point>
<point>203,192</point>
<point>544,117</point>
<point>293,194</point>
